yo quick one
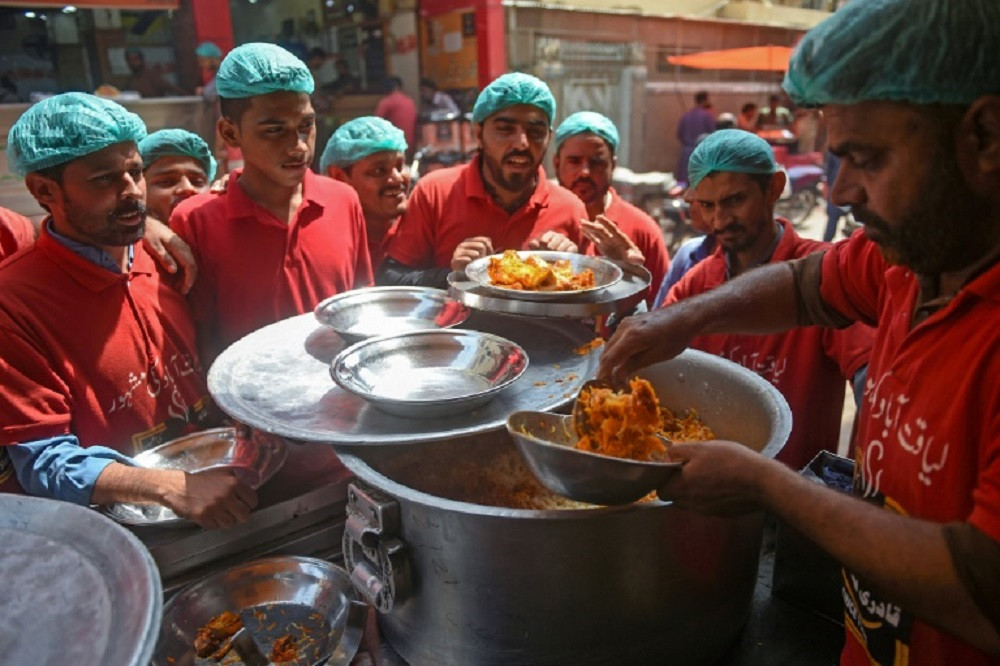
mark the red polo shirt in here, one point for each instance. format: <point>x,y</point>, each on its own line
<point>646,234</point>
<point>16,232</point>
<point>107,357</point>
<point>808,365</point>
<point>929,430</point>
<point>254,269</point>
<point>376,248</point>
<point>451,205</point>
<point>401,111</point>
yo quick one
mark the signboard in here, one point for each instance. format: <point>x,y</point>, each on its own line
<point>94,4</point>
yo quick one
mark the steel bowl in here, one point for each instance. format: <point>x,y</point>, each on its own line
<point>310,599</point>
<point>77,588</point>
<point>547,441</point>
<point>254,460</point>
<point>429,374</point>
<point>606,273</point>
<point>366,313</point>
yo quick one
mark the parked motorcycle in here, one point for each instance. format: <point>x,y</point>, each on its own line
<point>806,182</point>
<point>661,197</point>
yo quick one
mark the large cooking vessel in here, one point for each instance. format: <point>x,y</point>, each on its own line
<point>461,583</point>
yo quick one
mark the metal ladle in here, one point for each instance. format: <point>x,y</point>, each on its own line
<point>546,442</point>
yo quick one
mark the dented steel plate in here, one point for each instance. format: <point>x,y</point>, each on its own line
<point>277,379</point>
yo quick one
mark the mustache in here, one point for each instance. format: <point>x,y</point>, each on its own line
<point>584,181</point>
<point>519,153</point>
<point>127,209</point>
<point>734,228</point>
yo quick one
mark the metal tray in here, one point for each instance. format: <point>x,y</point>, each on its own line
<point>277,379</point>
<point>619,297</point>
<point>254,460</point>
<point>606,274</point>
<point>77,588</point>
<point>309,599</point>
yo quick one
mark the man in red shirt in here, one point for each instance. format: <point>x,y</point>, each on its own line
<point>920,143</point>
<point>280,239</point>
<point>585,159</point>
<point>16,232</point>
<point>500,201</point>
<point>736,183</point>
<point>399,109</point>
<point>99,358</point>
<point>369,154</point>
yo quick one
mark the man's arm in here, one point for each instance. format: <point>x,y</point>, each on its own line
<point>764,300</point>
<point>907,560</point>
<point>60,468</point>
<point>393,273</point>
<point>171,251</point>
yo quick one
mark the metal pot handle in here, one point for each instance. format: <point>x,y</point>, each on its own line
<point>375,558</point>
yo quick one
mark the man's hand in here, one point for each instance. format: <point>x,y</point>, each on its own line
<point>718,478</point>
<point>469,250</point>
<point>213,499</point>
<point>553,241</point>
<point>610,241</point>
<point>170,250</point>
<point>219,185</point>
<point>642,340</point>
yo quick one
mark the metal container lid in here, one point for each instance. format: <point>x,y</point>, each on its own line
<point>78,588</point>
<point>277,379</point>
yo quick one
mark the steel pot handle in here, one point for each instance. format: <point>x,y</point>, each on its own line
<point>375,558</point>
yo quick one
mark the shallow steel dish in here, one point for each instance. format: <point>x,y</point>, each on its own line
<point>365,313</point>
<point>77,588</point>
<point>428,374</point>
<point>546,443</point>
<point>606,274</point>
<point>310,599</point>
<point>254,460</point>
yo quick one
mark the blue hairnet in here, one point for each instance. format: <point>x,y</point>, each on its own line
<point>730,150</point>
<point>588,121</point>
<point>920,51</point>
<point>359,138</point>
<point>208,50</point>
<point>65,127</point>
<point>259,69</point>
<point>177,142</point>
<point>511,89</point>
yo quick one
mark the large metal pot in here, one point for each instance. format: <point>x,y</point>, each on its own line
<point>462,583</point>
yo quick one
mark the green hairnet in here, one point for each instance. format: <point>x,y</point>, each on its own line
<point>359,138</point>
<point>511,89</point>
<point>208,50</point>
<point>258,69</point>
<point>920,51</point>
<point>65,127</point>
<point>582,122</point>
<point>730,150</point>
<point>177,142</point>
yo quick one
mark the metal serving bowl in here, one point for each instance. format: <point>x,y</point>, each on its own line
<point>254,460</point>
<point>365,313</point>
<point>606,274</point>
<point>428,374</point>
<point>310,599</point>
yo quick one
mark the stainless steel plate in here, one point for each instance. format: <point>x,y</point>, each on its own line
<point>606,274</point>
<point>307,598</point>
<point>366,313</point>
<point>619,297</point>
<point>429,374</point>
<point>546,442</point>
<point>77,588</point>
<point>278,379</point>
<point>254,460</point>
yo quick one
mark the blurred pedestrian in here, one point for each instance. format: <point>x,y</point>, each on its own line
<point>692,127</point>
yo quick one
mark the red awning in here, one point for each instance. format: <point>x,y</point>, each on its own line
<point>761,58</point>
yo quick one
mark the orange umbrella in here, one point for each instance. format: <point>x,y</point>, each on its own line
<point>764,58</point>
